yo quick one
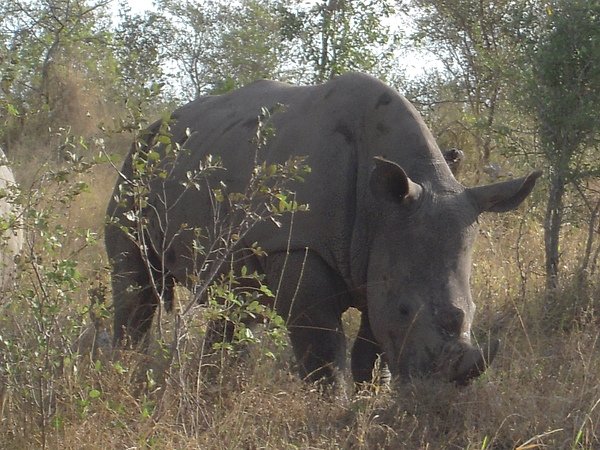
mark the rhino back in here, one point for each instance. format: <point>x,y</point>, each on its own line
<point>340,126</point>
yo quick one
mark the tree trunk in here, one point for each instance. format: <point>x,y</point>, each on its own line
<point>587,261</point>
<point>325,30</point>
<point>552,226</point>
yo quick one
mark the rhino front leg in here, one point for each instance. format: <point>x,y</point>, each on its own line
<point>365,353</point>
<point>312,298</point>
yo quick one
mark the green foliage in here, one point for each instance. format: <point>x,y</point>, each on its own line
<point>337,36</point>
<point>49,51</point>
<point>41,319</point>
<point>218,46</point>
<point>139,49</point>
<point>560,87</point>
<point>235,307</point>
<point>474,42</point>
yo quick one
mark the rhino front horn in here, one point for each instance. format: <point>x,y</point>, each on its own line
<point>475,361</point>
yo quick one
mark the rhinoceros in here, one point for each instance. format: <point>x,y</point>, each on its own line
<point>11,239</point>
<point>388,231</point>
<point>454,158</point>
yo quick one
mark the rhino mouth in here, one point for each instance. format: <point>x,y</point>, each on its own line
<point>458,362</point>
<point>462,362</point>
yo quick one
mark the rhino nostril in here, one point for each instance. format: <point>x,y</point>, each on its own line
<point>451,321</point>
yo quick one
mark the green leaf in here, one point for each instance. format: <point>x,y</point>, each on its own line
<point>12,110</point>
<point>266,291</point>
<point>119,368</point>
<point>163,139</point>
<point>153,155</point>
<point>94,393</point>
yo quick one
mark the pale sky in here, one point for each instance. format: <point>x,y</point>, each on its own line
<point>136,5</point>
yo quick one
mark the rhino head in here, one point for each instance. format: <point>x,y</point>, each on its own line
<point>419,299</point>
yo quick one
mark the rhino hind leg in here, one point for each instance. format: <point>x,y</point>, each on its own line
<point>311,298</point>
<point>135,284</point>
<point>365,353</point>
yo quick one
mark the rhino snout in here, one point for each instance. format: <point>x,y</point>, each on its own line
<point>468,362</point>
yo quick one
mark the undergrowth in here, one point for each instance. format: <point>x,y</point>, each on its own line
<point>61,386</point>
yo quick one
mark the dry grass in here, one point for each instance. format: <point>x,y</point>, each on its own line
<point>546,397</point>
<point>542,391</point>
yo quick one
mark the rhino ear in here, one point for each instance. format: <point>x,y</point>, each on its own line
<point>389,182</point>
<point>504,196</point>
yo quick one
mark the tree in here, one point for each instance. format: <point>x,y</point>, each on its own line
<point>50,49</point>
<point>217,46</point>
<point>139,49</point>
<point>561,88</point>
<point>336,36</point>
<point>252,45</point>
<point>473,40</point>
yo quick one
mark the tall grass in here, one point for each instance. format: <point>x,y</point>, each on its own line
<point>60,389</point>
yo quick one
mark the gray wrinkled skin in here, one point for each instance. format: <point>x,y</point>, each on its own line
<point>389,230</point>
